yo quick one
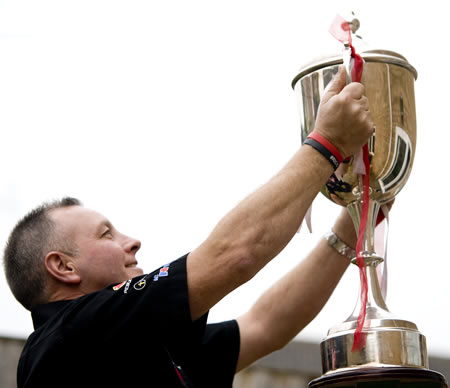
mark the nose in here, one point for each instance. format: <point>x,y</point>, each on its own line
<point>132,245</point>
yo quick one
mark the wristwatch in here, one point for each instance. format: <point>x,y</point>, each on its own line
<point>341,247</point>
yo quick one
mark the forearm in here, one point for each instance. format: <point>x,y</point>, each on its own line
<point>263,223</point>
<point>292,302</point>
<point>255,231</point>
<point>298,297</point>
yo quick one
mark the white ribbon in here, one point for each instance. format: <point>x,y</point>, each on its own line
<point>308,219</point>
<point>381,243</point>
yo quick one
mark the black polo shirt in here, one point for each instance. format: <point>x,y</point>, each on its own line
<point>131,335</point>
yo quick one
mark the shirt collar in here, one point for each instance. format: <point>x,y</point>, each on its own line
<point>43,312</point>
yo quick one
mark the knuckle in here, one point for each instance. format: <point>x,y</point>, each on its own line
<point>356,110</point>
<point>356,88</point>
<point>345,98</point>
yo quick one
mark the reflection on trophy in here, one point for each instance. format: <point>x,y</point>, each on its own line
<point>393,351</point>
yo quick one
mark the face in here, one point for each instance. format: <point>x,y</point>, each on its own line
<point>104,255</point>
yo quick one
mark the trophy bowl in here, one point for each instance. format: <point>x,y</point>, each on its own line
<point>389,82</point>
<point>389,342</point>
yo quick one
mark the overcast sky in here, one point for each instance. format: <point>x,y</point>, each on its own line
<point>163,115</point>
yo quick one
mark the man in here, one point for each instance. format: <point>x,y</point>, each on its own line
<point>101,321</point>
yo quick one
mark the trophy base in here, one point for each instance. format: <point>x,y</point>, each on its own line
<point>381,377</point>
<point>391,343</point>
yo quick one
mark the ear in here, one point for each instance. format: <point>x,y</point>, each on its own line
<point>61,267</point>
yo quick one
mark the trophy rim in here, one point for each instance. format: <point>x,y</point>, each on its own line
<point>380,56</point>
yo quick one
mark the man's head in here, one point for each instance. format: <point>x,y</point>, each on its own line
<point>62,250</point>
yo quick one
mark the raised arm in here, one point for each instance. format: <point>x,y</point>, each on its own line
<point>259,227</point>
<point>295,299</point>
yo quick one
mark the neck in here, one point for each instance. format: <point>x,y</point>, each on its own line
<point>63,292</point>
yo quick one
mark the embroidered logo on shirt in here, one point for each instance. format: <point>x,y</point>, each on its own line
<point>163,272</point>
<point>119,286</point>
<point>127,286</point>
<point>139,285</point>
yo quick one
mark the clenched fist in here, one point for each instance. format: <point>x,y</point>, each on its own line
<point>344,117</point>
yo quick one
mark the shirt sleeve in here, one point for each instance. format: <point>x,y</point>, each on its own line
<point>213,363</point>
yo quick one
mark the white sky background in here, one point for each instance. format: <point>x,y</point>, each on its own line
<point>163,115</point>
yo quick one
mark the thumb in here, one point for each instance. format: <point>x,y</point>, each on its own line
<point>338,83</point>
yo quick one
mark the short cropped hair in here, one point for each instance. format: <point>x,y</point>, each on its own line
<point>35,235</point>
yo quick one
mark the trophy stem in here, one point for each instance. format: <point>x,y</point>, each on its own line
<point>376,306</point>
<point>355,209</point>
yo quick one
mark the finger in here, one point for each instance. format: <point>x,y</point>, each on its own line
<point>370,124</point>
<point>355,90</point>
<point>336,84</point>
<point>364,101</point>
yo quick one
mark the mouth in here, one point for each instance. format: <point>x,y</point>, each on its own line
<point>131,265</point>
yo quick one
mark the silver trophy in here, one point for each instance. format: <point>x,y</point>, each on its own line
<point>391,345</point>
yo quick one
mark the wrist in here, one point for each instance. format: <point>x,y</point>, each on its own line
<point>325,147</point>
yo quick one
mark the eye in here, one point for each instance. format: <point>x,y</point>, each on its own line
<point>107,234</point>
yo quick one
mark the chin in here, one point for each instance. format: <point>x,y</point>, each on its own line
<point>135,271</point>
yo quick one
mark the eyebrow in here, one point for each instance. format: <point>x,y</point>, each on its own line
<point>104,223</point>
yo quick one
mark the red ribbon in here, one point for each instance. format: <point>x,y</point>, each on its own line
<point>358,339</point>
<point>340,29</point>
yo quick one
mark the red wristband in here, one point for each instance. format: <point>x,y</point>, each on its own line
<point>330,147</point>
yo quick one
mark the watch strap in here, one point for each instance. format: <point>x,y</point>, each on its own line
<point>340,246</point>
